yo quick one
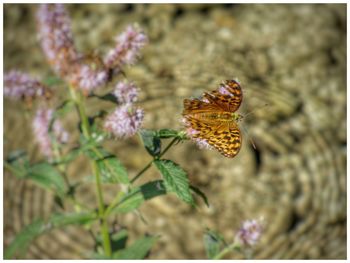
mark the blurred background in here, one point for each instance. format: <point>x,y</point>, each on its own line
<point>291,57</point>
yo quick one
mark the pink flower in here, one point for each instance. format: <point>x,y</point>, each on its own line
<point>126,50</point>
<point>87,78</point>
<point>126,92</point>
<point>56,37</point>
<point>124,121</point>
<point>202,143</point>
<point>18,85</point>
<point>41,125</point>
<point>250,232</point>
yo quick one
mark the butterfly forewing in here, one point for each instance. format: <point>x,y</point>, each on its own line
<point>197,106</point>
<point>228,96</point>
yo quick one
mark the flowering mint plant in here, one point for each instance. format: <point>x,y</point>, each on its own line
<point>82,75</point>
<point>244,241</point>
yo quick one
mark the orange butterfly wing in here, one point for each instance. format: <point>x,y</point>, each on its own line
<point>225,135</point>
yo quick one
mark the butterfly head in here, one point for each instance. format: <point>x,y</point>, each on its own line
<point>237,117</point>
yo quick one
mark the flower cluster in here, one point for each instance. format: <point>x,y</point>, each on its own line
<point>124,121</point>
<point>126,50</point>
<point>87,78</point>
<point>126,118</point>
<point>18,85</point>
<point>56,37</point>
<point>41,125</point>
<point>126,92</point>
<point>58,45</point>
<point>250,232</point>
<point>84,72</point>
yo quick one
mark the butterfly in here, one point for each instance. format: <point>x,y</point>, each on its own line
<point>211,120</point>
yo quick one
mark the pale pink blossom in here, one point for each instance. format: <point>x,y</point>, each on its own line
<point>250,232</point>
<point>127,48</point>
<point>41,125</point>
<point>56,37</point>
<point>125,121</point>
<point>87,78</point>
<point>19,85</point>
<point>125,92</point>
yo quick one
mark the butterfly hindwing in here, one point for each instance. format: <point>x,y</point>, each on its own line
<point>226,138</point>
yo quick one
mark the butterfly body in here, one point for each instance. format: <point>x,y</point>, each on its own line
<point>217,117</point>
<point>212,118</point>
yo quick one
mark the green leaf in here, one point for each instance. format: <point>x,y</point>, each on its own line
<point>175,179</point>
<point>129,202</point>
<point>95,121</point>
<point>64,108</point>
<point>87,146</point>
<point>200,194</point>
<point>153,189</point>
<point>60,220</point>
<point>212,243</point>
<point>151,142</point>
<point>167,133</point>
<point>112,170</point>
<point>43,174</point>
<point>107,97</point>
<point>24,238</point>
<point>137,196</point>
<point>46,176</point>
<point>18,163</point>
<point>137,250</point>
<point>40,226</point>
<point>16,155</point>
<point>70,156</point>
<point>118,240</point>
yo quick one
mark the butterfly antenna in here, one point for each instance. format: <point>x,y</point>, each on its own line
<point>255,110</point>
<point>250,138</point>
<point>245,130</point>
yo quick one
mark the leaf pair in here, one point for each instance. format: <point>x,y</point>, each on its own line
<point>152,139</point>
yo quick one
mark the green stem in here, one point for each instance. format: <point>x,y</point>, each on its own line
<point>150,163</point>
<point>61,166</point>
<point>101,211</point>
<point>226,250</point>
<point>168,146</point>
<point>141,172</point>
<point>114,203</point>
<point>79,101</point>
